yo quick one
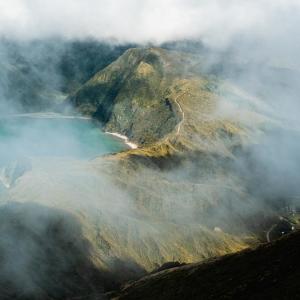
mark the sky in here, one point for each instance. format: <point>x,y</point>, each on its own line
<point>216,22</point>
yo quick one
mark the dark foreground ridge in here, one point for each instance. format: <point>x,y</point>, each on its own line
<point>44,256</point>
<point>271,271</point>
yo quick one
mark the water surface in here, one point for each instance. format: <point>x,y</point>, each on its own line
<point>59,137</point>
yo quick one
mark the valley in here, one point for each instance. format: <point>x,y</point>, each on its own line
<point>179,181</point>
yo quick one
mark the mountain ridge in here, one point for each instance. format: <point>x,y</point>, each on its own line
<point>270,271</point>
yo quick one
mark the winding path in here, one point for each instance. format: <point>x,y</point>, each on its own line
<point>182,113</point>
<point>181,110</point>
<point>182,116</point>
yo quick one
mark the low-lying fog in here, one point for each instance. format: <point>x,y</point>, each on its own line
<point>28,136</point>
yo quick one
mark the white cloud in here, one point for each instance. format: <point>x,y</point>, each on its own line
<point>216,21</point>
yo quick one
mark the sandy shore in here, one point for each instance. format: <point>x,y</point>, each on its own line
<point>52,115</point>
<point>123,137</point>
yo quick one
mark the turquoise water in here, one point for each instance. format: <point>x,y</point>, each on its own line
<point>80,138</point>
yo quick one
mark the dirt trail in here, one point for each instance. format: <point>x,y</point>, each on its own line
<point>182,113</point>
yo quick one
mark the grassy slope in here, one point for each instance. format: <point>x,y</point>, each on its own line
<point>129,96</point>
<point>141,95</point>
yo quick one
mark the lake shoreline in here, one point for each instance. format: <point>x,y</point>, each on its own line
<point>53,115</point>
<point>51,134</point>
<point>124,138</point>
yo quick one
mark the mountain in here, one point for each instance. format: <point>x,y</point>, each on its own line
<point>200,134</point>
<point>270,271</point>
<point>168,99</point>
<point>194,188</point>
<point>130,95</point>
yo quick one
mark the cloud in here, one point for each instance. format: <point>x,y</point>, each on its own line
<point>215,21</point>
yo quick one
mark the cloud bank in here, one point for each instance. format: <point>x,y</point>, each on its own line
<point>214,21</point>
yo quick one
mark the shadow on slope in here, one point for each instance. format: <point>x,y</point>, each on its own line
<point>44,255</point>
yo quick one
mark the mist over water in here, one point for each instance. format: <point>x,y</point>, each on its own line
<point>56,137</point>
